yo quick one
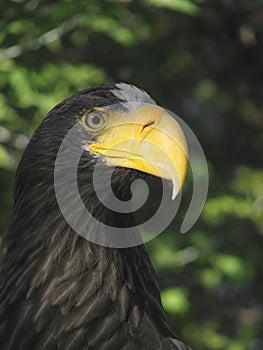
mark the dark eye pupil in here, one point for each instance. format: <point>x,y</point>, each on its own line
<point>96,120</point>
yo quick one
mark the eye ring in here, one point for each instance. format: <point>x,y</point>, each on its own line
<point>94,120</point>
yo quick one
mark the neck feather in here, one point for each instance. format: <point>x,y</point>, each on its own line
<point>60,268</point>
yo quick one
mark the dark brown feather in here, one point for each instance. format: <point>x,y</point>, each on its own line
<point>58,291</point>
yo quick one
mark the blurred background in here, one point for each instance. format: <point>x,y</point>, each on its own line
<point>204,61</point>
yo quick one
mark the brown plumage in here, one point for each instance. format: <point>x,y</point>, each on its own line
<point>57,289</point>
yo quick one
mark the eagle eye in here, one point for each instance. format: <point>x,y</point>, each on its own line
<point>94,120</point>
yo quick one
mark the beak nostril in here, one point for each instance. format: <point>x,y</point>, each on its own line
<point>150,123</point>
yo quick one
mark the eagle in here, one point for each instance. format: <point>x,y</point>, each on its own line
<point>64,284</point>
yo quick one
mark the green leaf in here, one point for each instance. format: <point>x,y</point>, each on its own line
<point>184,6</point>
<point>230,265</point>
<point>175,300</point>
<point>4,158</point>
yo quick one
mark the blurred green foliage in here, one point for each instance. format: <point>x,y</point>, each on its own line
<point>204,61</point>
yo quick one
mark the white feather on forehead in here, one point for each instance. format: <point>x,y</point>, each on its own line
<point>130,93</point>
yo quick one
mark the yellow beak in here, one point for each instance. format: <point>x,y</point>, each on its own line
<point>149,140</point>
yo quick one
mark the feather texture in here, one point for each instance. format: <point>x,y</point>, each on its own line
<point>59,291</point>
